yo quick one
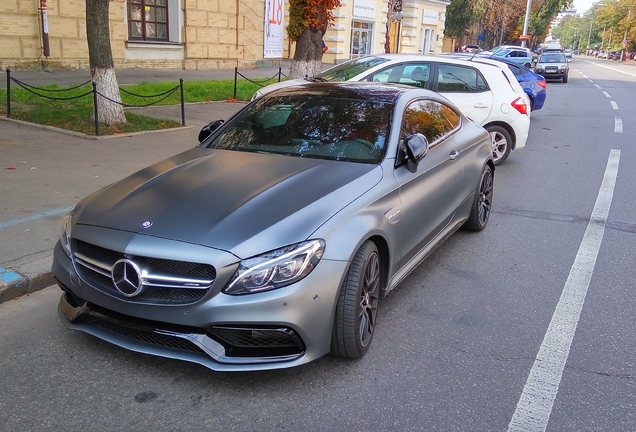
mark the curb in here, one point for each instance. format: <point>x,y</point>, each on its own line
<point>25,279</point>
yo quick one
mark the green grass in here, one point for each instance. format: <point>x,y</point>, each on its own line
<point>76,112</point>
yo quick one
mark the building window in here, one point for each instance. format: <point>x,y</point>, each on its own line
<point>361,34</point>
<point>148,20</point>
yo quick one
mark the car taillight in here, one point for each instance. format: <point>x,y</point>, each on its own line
<point>520,105</point>
<point>542,84</point>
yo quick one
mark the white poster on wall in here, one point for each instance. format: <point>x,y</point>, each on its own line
<point>430,17</point>
<point>273,37</point>
<point>364,8</point>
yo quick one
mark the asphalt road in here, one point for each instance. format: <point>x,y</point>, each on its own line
<point>458,344</point>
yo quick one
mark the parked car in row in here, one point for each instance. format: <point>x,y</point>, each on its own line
<point>532,83</point>
<point>553,65</point>
<point>272,243</point>
<point>487,92</point>
<point>517,54</point>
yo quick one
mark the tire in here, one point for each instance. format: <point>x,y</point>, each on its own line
<point>528,65</point>
<point>357,306</point>
<point>482,203</point>
<point>565,78</point>
<point>501,143</point>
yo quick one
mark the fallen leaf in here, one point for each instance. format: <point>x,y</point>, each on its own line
<point>10,168</point>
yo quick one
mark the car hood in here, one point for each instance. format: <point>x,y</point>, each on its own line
<point>244,203</point>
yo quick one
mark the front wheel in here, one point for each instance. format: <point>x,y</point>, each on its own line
<point>501,143</point>
<point>482,203</point>
<point>357,306</point>
<point>565,78</point>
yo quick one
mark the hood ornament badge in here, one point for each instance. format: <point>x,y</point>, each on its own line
<point>146,224</point>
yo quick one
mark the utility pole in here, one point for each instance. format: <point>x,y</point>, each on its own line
<point>525,24</point>
<point>624,44</point>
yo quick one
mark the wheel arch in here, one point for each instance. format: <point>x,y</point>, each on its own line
<point>507,127</point>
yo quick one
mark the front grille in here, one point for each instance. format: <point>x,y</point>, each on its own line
<point>167,281</point>
<point>257,342</point>
<point>141,335</point>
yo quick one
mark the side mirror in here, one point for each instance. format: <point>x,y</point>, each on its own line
<point>207,130</point>
<point>416,148</point>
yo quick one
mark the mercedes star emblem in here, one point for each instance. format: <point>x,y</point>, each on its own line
<point>126,277</point>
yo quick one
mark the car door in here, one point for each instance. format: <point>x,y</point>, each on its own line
<point>430,196</point>
<point>465,87</point>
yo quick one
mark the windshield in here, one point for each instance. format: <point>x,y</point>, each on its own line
<point>347,70</point>
<point>552,58</point>
<point>323,127</point>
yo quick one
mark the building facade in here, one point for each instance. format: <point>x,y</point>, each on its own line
<point>360,28</point>
<point>204,34</point>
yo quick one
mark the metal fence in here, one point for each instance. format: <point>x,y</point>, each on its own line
<point>40,91</point>
<point>261,83</point>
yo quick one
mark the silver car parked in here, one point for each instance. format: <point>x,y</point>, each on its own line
<point>271,243</point>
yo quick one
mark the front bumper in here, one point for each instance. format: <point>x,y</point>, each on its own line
<point>282,328</point>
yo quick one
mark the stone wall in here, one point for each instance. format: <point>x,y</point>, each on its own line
<point>205,34</point>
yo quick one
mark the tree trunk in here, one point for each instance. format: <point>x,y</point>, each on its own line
<point>109,107</point>
<point>307,60</point>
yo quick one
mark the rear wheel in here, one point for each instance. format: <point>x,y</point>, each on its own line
<point>357,306</point>
<point>482,203</point>
<point>501,143</point>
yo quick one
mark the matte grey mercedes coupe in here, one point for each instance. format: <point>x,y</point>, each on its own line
<point>271,243</point>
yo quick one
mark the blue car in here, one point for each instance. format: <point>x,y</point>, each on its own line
<point>532,83</point>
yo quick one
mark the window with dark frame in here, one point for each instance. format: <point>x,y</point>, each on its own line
<point>148,20</point>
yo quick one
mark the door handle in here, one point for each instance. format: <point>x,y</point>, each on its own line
<point>453,155</point>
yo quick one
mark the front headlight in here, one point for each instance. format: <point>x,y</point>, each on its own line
<point>65,238</point>
<point>277,268</point>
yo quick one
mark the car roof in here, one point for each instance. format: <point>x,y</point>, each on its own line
<point>396,58</point>
<point>380,92</point>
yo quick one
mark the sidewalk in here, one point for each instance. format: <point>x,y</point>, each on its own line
<point>44,172</point>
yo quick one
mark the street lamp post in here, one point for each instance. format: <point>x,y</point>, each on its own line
<point>624,44</point>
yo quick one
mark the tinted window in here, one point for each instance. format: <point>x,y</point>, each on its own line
<point>453,78</point>
<point>310,126</point>
<point>432,119</point>
<point>515,69</point>
<point>415,74</point>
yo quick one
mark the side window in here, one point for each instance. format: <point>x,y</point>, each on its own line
<point>515,69</point>
<point>453,78</point>
<point>414,74</point>
<point>432,119</point>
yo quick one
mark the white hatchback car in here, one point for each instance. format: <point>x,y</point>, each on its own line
<point>486,91</point>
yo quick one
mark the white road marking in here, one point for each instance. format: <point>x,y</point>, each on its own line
<point>597,86</point>
<point>614,105</point>
<point>606,94</point>
<point>611,68</point>
<point>535,405</point>
<point>618,125</point>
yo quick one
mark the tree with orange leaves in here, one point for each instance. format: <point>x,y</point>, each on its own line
<point>308,22</point>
